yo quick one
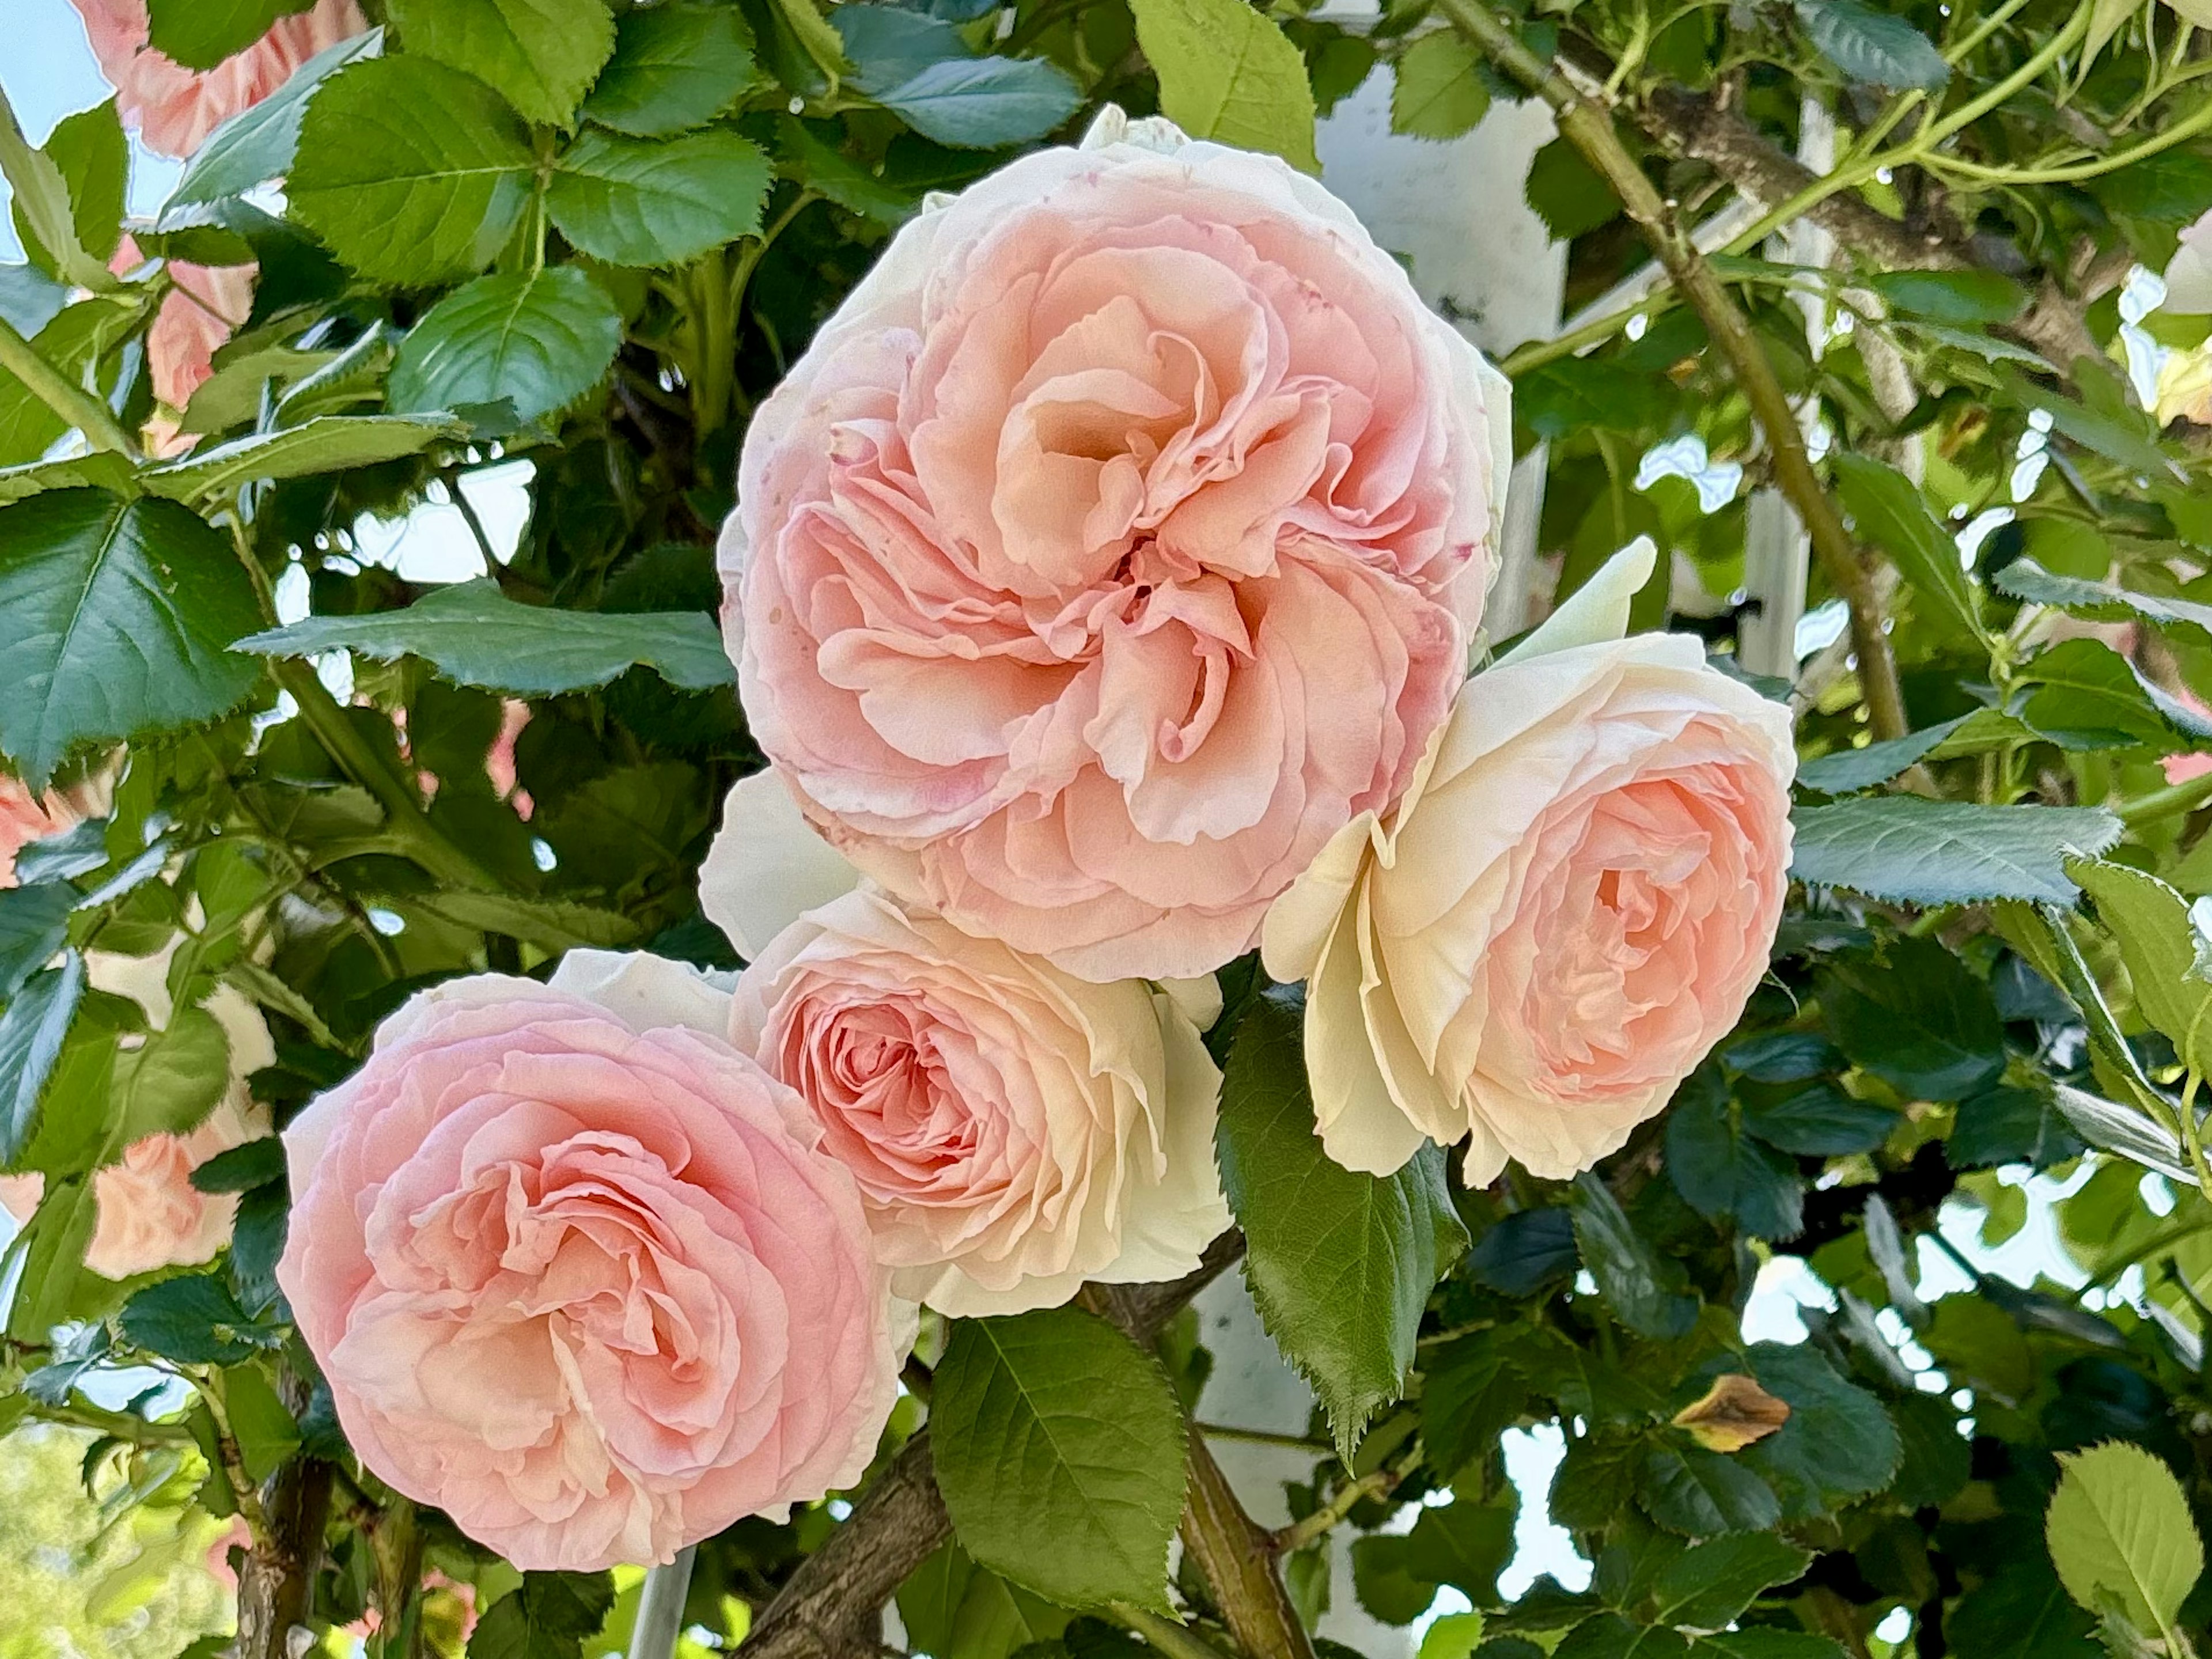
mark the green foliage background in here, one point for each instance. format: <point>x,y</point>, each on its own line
<point>595,235</point>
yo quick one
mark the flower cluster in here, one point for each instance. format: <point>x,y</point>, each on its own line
<point>1103,587</point>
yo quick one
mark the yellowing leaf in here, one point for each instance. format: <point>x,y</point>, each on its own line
<point>2119,1528</point>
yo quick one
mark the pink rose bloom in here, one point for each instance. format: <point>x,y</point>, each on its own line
<point>205,307</point>
<point>24,818</point>
<point>175,108</point>
<point>1120,539</point>
<point>1568,910</point>
<point>1014,1130</point>
<point>579,1272</point>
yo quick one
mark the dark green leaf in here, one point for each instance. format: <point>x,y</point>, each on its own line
<point>1764,1642</point>
<point>1914,851</point>
<point>1470,1396</point>
<point>1721,1172</point>
<point>1340,1264</point>
<point>1385,1585</point>
<point>1555,400</point>
<point>1228,73</point>
<point>1609,1636</point>
<point>1060,1450</point>
<point>326,443</point>
<point>474,635</point>
<point>411,172</point>
<point>1839,1442</point>
<point>171,1083</point>
<point>658,201</point>
<point>1937,1460</point>
<point>1874,47</point>
<point>1818,1121</point>
<point>194,1321</point>
<point>2009,1126</point>
<point>983,103</point>
<point>675,67</point>
<point>1918,1019</point>
<point>1689,1489</point>
<point>32,1028</point>
<point>34,925</point>
<point>2024,579</point>
<point>1465,1545</point>
<point>1645,1290</point>
<point>539,339</point>
<point>1710,1585</point>
<point>200,33</point>
<point>548,1617</point>
<point>540,55</point>
<point>94,161</point>
<point>242,1168</point>
<point>1526,1251</point>
<point>2021,1614</point>
<point>114,616</point>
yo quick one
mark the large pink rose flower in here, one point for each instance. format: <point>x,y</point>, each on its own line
<point>1015,1130</point>
<point>1120,539</point>
<point>1568,910</point>
<point>175,108</point>
<point>205,307</point>
<point>579,1272</point>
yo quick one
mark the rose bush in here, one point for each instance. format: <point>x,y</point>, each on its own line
<point>1106,529</point>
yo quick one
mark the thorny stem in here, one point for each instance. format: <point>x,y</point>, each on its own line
<point>1589,128</point>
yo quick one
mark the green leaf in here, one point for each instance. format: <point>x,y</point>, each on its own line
<point>1888,509</point>
<point>1819,1120</point>
<point>409,171</point>
<point>474,635</point>
<point>1569,195</point>
<point>2024,579</point>
<point>539,339</point>
<point>1707,1587</point>
<point>1340,1264</point>
<point>675,67</point>
<point>983,103</point>
<point>195,1321</point>
<point>2159,943</point>
<point>114,618</point>
<point>1952,297</point>
<point>1914,851</point>
<point>1060,1450</point>
<point>658,201</point>
<point>1470,1396</point>
<point>1578,394</point>
<point>258,144</point>
<point>1722,1173</point>
<point>1643,1289</point>
<point>1689,1489</point>
<point>34,926</point>
<point>53,1243</point>
<point>547,1617</point>
<point>1229,74</point>
<point>1526,1251</point>
<point>2119,1525</point>
<point>200,33</point>
<point>1839,1442</point>
<point>1386,1586</point>
<point>2091,697</point>
<point>1918,1018</point>
<point>1764,1642</point>
<point>1877,47</point>
<point>1439,92</point>
<point>547,923</point>
<point>327,443</point>
<point>1938,1461</point>
<point>95,159</point>
<point>540,55</point>
<point>1465,1545</point>
<point>264,1428</point>
<point>2009,1126</point>
<point>1609,1636</point>
<point>242,1168</point>
<point>41,203</point>
<point>32,1028</point>
<point>2022,1612</point>
<point>2127,1130</point>
<point>1847,771</point>
<point>954,1609</point>
<point>172,1083</point>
